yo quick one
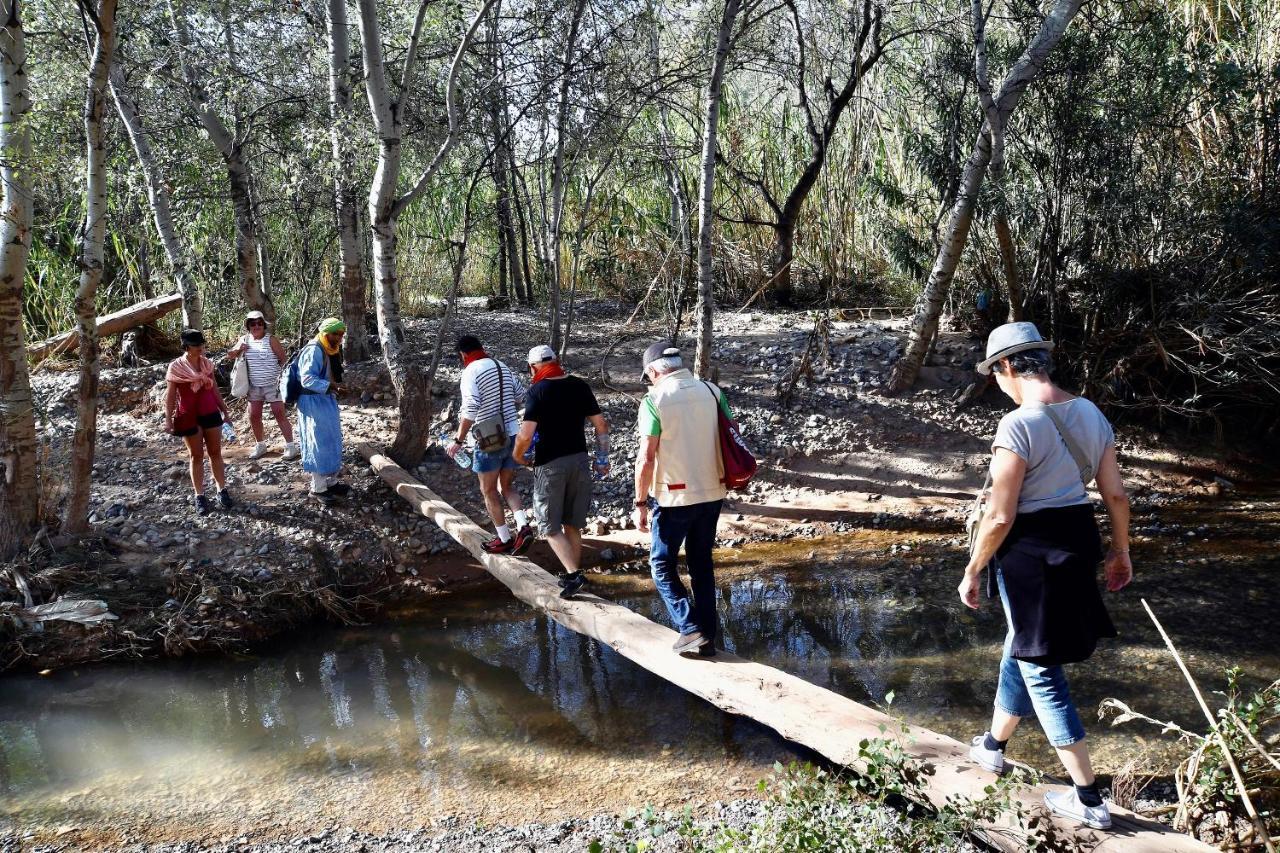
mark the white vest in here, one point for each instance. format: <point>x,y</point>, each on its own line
<point>689,469</point>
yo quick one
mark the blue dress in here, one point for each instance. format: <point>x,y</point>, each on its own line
<point>319,429</point>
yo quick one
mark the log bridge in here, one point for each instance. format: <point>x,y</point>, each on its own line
<point>825,722</point>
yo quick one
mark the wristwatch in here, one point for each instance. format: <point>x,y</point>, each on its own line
<point>642,504</point>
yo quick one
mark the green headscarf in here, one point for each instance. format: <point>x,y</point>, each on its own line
<point>331,325</point>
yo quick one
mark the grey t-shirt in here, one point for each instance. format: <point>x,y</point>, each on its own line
<point>1052,478</point>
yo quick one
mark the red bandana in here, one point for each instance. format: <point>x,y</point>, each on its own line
<point>474,355</point>
<point>548,370</point>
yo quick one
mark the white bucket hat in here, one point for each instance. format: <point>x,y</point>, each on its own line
<point>541,353</point>
<point>1010,338</point>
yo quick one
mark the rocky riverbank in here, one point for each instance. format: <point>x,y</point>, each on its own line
<point>838,455</point>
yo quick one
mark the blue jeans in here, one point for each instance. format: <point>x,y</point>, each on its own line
<point>693,526</point>
<point>1026,688</point>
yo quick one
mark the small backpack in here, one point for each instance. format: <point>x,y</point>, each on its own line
<point>293,379</point>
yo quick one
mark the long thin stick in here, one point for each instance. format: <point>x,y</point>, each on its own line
<point>1213,724</point>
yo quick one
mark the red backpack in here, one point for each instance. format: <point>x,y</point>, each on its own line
<point>739,465</point>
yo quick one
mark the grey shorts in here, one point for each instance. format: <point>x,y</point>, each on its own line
<point>562,493</point>
<point>264,394</point>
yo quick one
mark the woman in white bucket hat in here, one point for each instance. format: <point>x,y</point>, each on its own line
<point>265,357</point>
<point>1040,540</point>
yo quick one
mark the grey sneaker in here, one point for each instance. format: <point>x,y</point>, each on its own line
<point>1067,804</point>
<point>987,759</point>
<point>691,643</point>
<point>202,505</point>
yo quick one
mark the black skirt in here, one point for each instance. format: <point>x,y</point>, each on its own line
<point>1049,563</point>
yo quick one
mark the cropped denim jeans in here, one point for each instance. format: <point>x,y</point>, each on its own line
<point>1026,688</point>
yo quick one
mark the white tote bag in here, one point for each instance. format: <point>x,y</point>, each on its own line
<point>240,376</point>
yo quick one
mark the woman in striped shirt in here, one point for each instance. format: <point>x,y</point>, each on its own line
<point>266,357</point>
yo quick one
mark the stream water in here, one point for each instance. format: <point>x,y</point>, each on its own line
<point>483,707</point>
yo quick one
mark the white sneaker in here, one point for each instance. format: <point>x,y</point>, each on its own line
<point>1067,804</point>
<point>291,450</point>
<point>987,759</point>
<point>259,450</point>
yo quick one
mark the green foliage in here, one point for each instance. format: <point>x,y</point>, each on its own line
<point>815,809</point>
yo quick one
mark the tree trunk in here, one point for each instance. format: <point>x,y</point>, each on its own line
<point>706,191</point>
<point>928,311</point>
<point>780,257</point>
<point>158,195</point>
<point>522,230</point>
<point>355,345</point>
<point>239,177</point>
<point>385,208</point>
<point>1009,261</point>
<point>19,474</point>
<point>93,237</point>
<point>551,249</point>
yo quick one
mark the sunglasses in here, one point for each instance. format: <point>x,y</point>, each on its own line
<point>256,323</point>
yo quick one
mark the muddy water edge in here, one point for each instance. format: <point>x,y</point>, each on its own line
<point>480,708</point>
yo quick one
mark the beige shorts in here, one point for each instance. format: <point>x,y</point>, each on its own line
<point>264,394</point>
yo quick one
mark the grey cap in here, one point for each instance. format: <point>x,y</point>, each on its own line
<point>1010,338</point>
<point>655,351</point>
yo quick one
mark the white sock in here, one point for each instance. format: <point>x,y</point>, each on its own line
<point>319,482</point>
<point>522,518</point>
<point>504,532</point>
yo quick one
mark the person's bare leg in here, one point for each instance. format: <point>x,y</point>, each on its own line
<point>282,419</point>
<point>506,481</point>
<point>1002,724</point>
<point>255,419</point>
<point>195,450</point>
<point>1076,759</point>
<point>575,539</point>
<point>213,441</point>
<point>562,544</point>
<point>492,500</point>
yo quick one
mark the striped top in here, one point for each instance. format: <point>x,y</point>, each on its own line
<point>480,393</point>
<point>264,367</point>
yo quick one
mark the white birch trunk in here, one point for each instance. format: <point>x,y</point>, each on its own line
<point>558,181</point>
<point>385,208</point>
<point>239,178</point>
<point>928,311</point>
<point>158,195</point>
<point>355,345</point>
<point>75,517</point>
<point>706,192</point>
<point>19,474</point>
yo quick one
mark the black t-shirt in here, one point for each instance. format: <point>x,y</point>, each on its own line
<point>560,408</point>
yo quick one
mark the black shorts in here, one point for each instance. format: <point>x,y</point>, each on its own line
<point>210,421</point>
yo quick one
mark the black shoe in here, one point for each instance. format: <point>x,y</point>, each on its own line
<point>707,651</point>
<point>692,643</point>
<point>339,490</point>
<point>202,505</point>
<point>325,497</point>
<point>571,583</point>
<point>224,498</point>
<point>523,539</point>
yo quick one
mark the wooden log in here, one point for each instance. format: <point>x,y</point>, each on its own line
<point>112,324</point>
<point>819,719</point>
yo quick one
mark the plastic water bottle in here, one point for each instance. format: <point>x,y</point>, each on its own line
<point>228,433</point>
<point>463,457</point>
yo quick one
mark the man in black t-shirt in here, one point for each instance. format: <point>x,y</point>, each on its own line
<point>557,407</point>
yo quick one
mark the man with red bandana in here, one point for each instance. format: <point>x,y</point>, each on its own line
<point>556,410</point>
<point>492,391</point>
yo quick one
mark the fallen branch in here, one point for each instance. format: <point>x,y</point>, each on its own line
<point>1243,790</point>
<point>111,324</point>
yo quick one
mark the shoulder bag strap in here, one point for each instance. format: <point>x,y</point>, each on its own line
<point>1083,464</point>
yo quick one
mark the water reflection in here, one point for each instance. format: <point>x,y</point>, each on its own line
<point>486,690</point>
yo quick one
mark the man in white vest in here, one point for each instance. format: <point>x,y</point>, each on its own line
<point>679,469</point>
